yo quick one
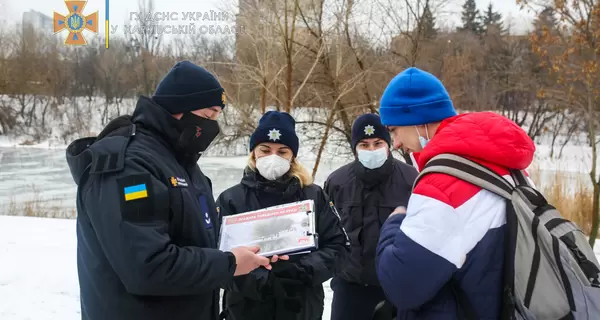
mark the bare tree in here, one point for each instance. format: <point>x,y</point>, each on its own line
<point>577,73</point>
<point>147,39</point>
<point>406,21</point>
<point>112,68</point>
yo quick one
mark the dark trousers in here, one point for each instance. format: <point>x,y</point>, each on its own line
<point>353,301</point>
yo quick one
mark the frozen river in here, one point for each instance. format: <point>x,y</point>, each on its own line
<point>35,179</point>
<point>40,177</point>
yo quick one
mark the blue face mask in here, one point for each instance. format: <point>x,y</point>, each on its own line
<point>372,159</point>
<point>423,141</point>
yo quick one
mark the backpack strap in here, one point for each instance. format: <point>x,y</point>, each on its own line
<point>472,172</point>
<point>546,213</point>
<point>520,178</point>
<point>469,171</point>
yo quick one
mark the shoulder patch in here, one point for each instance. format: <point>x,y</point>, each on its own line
<point>177,182</point>
<point>109,152</point>
<point>136,198</point>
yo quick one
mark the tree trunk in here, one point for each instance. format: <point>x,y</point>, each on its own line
<point>324,139</point>
<point>595,214</point>
<point>592,136</point>
<point>556,133</point>
<point>277,101</point>
<point>289,47</point>
<point>288,83</point>
<point>347,123</point>
<point>263,97</point>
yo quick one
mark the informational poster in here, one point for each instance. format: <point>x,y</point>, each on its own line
<point>283,230</point>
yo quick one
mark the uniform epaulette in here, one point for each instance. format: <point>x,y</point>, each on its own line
<point>108,154</point>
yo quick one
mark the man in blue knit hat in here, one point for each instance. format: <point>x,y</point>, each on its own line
<point>147,224</point>
<point>366,191</point>
<point>442,256</point>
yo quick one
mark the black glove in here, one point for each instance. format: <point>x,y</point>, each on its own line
<point>288,292</point>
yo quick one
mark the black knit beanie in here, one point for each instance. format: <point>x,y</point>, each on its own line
<point>188,87</point>
<point>278,127</point>
<point>368,126</point>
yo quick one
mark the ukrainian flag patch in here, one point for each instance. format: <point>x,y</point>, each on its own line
<point>140,201</point>
<point>138,191</point>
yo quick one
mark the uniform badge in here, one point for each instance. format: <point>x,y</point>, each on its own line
<point>177,182</point>
<point>369,130</point>
<point>224,98</point>
<point>274,135</point>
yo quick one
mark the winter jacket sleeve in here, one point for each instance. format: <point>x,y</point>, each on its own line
<point>326,188</point>
<point>129,212</point>
<point>253,285</point>
<point>418,253</point>
<point>410,175</point>
<point>318,266</point>
<point>330,189</point>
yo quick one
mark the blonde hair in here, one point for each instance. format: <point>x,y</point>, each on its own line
<point>296,170</point>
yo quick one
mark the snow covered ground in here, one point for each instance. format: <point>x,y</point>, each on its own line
<point>38,270</point>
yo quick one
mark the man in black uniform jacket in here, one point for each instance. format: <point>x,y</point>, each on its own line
<point>147,225</point>
<point>365,193</point>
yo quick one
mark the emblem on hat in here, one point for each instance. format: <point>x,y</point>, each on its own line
<point>274,134</point>
<point>224,98</point>
<point>369,130</point>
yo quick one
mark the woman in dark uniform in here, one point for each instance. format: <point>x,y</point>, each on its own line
<point>292,289</point>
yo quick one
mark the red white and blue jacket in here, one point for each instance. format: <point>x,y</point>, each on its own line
<point>453,228</point>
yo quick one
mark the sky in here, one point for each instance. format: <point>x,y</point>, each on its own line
<point>11,11</point>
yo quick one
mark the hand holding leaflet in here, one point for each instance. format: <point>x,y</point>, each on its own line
<point>281,230</point>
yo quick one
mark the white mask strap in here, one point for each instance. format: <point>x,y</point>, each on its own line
<point>426,132</point>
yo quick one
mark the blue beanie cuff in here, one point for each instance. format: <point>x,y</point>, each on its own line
<point>417,114</point>
<point>287,138</point>
<point>189,102</point>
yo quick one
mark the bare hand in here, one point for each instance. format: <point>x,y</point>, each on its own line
<point>247,260</point>
<point>275,258</point>
<point>398,210</point>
